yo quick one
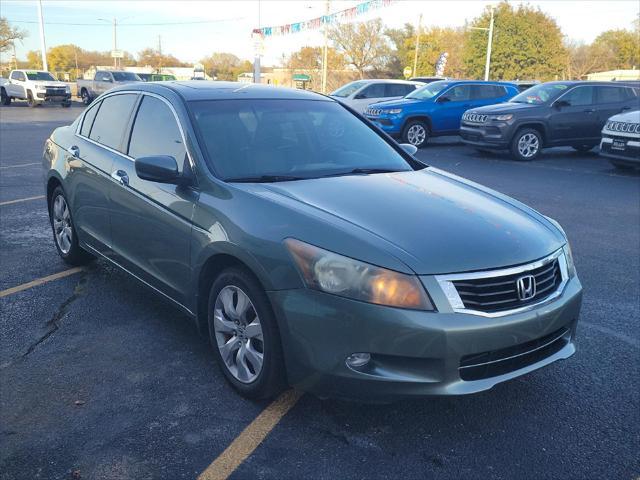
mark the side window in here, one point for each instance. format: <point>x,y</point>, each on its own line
<point>112,119</point>
<point>373,91</point>
<point>15,75</point>
<point>103,77</point>
<point>487,91</point>
<point>580,96</point>
<point>88,119</point>
<point>611,94</point>
<point>155,131</point>
<point>397,89</point>
<point>459,93</point>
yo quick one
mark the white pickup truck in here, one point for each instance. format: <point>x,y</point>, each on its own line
<point>102,81</point>
<point>36,87</point>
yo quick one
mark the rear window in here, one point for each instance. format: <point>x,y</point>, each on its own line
<point>612,94</point>
<point>88,119</point>
<point>348,89</point>
<point>111,120</point>
<point>398,89</point>
<point>488,91</point>
<point>125,76</point>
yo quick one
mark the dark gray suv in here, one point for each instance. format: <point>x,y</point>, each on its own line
<point>548,115</point>
<point>309,247</point>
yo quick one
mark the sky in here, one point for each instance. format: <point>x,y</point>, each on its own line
<point>229,23</point>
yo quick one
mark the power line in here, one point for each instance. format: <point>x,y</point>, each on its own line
<point>194,22</point>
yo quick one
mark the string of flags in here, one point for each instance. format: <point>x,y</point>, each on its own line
<point>316,23</point>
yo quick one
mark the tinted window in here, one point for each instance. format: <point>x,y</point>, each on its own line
<point>580,96</point>
<point>112,119</point>
<point>373,91</point>
<point>488,91</point>
<point>398,89</point>
<point>15,75</point>
<point>88,119</point>
<point>459,93</point>
<point>428,91</point>
<point>125,76</point>
<point>348,89</point>
<point>155,131</point>
<point>103,77</point>
<point>301,138</point>
<point>611,94</point>
<point>39,76</point>
<point>539,94</point>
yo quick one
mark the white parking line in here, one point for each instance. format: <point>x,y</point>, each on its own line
<point>20,165</point>
<point>39,281</point>
<point>9,202</point>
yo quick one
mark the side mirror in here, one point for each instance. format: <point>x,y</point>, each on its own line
<point>561,103</point>
<point>108,79</point>
<point>410,149</point>
<point>159,168</point>
<point>359,96</point>
<point>443,99</point>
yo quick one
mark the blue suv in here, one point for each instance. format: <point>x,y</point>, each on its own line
<point>436,108</point>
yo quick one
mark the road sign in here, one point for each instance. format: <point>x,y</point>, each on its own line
<point>301,77</point>
<point>407,72</point>
<point>117,54</point>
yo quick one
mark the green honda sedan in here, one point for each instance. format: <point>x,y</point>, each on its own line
<point>307,245</point>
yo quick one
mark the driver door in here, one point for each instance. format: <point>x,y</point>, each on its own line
<point>451,105</point>
<point>574,116</point>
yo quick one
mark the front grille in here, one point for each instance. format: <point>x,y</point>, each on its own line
<point>474,117</point>
<point>52,91</point>
<point>374,112</point>
<point>483,365</point>
<point>622,127</point>
<point>494,294</point>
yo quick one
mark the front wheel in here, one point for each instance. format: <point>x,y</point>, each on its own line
<point>66,104</point>
<point>64,232</point>
<point>31,101</point>
<point>526,144</point>
<point>244,335</point>
<point>4,98</point>
<point>583,148</point>
<point>86,98</point>
<point>416,133</point>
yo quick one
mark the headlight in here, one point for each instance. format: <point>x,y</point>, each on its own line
<point>571,267</point>
<point>40,87</point>
<point>393,111</point>
<point>332,273</point>
<point>67,88</point>
<point>503,118</point>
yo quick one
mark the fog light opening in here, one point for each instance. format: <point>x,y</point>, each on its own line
<point>357,360</point>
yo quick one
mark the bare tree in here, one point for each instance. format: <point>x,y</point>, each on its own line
<point>364,45</point>
<point>585,58</point>
<point>9,34</point>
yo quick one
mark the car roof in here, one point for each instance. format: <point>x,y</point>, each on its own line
<point>216,90</point>
<point>571,83</point>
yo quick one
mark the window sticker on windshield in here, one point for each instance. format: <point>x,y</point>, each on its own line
<point>561,87</point>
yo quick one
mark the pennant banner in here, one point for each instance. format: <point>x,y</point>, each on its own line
<point>316,23</point>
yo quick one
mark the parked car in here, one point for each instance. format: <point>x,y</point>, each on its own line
<point>36,87</point>
<point>621,140</point>
<point>156,77</point>
<point>525,84</point>
<point>264,214</point>
<point>104,80</point>
<point>548,115</point>
<point>435,109</point>
<point>361,93</point>
<point>427,79</point>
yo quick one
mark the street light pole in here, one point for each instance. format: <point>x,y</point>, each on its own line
<point>415,54</point>
<point>43,46</point>
<point>489,42</point>
<point>115,41</point>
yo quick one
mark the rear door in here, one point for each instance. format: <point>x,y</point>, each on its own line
<point>103,82</point>
<point>447,114</point>
<point>97,146</point>
<point>397,90</point>
<point>488,94</point>
<point>151,222</point>
<point>577,120</point>
<point>611,100</point>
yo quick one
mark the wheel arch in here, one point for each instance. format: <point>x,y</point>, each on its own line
<point>421,117</point>
<point>538,126</point>
<point>52,183</point>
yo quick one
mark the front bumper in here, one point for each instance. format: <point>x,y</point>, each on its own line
<point>492,135</point>
<point>53,96</point>
<point>391,126</point>
<point>415,353</point>
<point>621,148</point>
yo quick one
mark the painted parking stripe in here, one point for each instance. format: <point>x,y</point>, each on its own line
<point>40,281</point>
<point>21,165</point>
<point>9,202</point>
<point>250,438</point>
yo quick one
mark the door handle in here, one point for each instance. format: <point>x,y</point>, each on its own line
<point>625,108</point>
<point>590,110</point>
<point>74,151</point>
<point>121,177</point>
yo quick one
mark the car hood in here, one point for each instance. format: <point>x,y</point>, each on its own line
<point>399,103</point>
<point>627,117</point>
<point>507,107</point>
<point>48,83</point>
<point>438,223</point>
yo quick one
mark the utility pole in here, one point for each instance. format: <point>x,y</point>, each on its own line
<point>258,46</point>
<point>115,41</point>
<point>43,45</point>
<point>486,67</point>
<point>325,50</point>
<point>75,52</point>
<point>415,54</point>
<point>15,59</point>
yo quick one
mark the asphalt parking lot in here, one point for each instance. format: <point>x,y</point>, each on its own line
<point>102,379</point>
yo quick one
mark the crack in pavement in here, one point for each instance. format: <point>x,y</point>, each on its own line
<point>54,323</point>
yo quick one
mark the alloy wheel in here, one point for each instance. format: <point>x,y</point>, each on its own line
<point>62,224</point>
<point>416,135</point>
<point>528,145</point>
<point>238,334</point>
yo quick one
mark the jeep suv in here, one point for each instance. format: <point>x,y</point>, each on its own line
<point>548,115</point>
<point>436,108</point>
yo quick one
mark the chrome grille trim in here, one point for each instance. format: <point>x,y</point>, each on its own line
<point>622,127</point>
<point>374,112</point>
<point>446,283</point>
<point>474,117</point>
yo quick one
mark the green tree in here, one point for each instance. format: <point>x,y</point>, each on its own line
<point>62,58</point>
<point>623,47</point>
<point>527,44</point>
<point>223,66</point>
<point>9,34</point>
<point>156,59</point>
<point>434,42</point>
<point>310,58</point>
<point>363,44</point>
<point>400,57</point>
<point>34,60</point>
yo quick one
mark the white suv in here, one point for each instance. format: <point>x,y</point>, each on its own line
<point>36,87</point>
<point>362,93</point>
<point>621,140</point>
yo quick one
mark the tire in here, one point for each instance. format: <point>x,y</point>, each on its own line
<point>66,104</point>
<point>583,148</point>
<point>526,144</point>
<point>227,328</point>
<point>86,98</point>
<point>4,98</point>
<point>66,242</point>
<point>30,100</point>
<point>416,133</point>
<point>621,165</point>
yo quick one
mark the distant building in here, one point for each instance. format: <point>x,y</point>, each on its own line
<point>615,75</point>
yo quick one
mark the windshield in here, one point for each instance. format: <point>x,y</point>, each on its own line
<point>539,94</point>
<point>126,76</point>
<point>40,76</point>
<point>348,89</point>
<point>428,91</point>
<point>289,139</point>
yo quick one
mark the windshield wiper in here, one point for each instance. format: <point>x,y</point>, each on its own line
<point>265,179</point>
<point>363,171</point>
